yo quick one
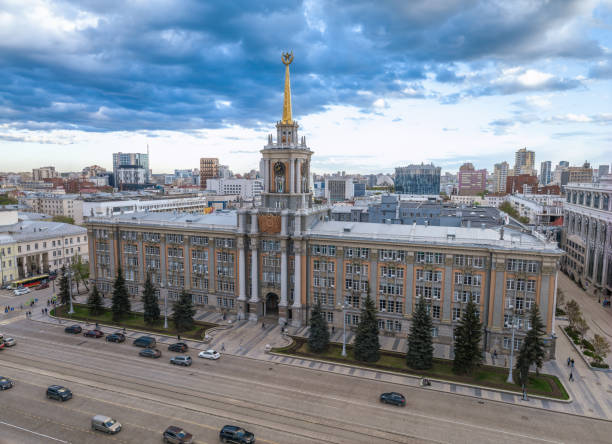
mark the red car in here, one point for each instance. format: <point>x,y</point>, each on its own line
<point>41,286</point>
<point>93,334</point>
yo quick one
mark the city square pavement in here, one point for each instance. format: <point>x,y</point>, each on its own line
<point>590,391</point>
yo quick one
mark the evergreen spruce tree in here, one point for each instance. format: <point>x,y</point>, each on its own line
<point>64,291</point>
<point>94,302</point>
<point>319,335</point>
<point>420,345</point>
<point>151,305</point>
<point>183,312</point>
<point>467,341</point>
<point>367,347</point>
<point>121,301</point>
<point>532,350</point>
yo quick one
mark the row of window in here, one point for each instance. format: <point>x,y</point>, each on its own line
<point>522,265</point>
<point>67,241</point>
<point>528,285</point>
<point>323,266</point>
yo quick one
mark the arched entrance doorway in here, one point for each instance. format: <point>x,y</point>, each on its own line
<point>271,305</point>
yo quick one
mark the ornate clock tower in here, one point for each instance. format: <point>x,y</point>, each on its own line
<point>286,162</point>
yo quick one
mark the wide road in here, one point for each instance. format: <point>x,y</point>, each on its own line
<point>279,403</point>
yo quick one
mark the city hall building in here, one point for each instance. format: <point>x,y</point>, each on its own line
<point>277,260</point>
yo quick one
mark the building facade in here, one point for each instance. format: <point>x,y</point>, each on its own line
<point>68,205</point>
<point>247,189</point>
<point>587,235</point>
<point>278,260</point>
<point>38,174</point>
<point>338,189</point>
<point>545,172</point>
<point>131,168</point>
<point>209,169</point>
<point>583,174</point>
<point>471,180</point>
<point>500,175</point>
<point>417,179</point>
<point>524,162</point>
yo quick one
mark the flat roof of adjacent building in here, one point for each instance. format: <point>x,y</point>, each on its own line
<point>219,219</point>
<point>29,230</point>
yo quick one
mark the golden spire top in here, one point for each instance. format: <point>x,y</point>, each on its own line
<point>287,58</point>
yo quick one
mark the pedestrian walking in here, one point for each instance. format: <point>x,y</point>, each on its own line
<point>572,362</point>
<point>333,329</point>
<point>223,346</point>
<point>263,326</point>
<point>569,361</point>
<point>571,378</point>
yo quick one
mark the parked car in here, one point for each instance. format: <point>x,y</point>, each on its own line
<point>145,341</point>
<point>95,333</point>
<point>58,392</point>
<point>150,353</point>
<point>393,398</point>
<point>52,277</point>
<point>235,434</point>
<point>176,435</point>
<point>10,342</point>
<point>74,329</point>
<point>181,360</point>
<point>116,337</point>
<point>41,286</point>
<point>21,291</point>
<point>209,354</point>
<point>179,347</point>
<point>6,383</point>
<point>105,424</point>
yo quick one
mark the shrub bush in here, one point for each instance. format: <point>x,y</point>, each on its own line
<point>560,312</point>
<point>587,345</point>
<point>599,364</point>
<point>590,353</point>
<point>573,334</point>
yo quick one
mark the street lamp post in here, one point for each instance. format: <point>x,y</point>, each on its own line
<point>345,305</point>
<point>165,306</point>
<point>510,379</point>
<point>71,311</point>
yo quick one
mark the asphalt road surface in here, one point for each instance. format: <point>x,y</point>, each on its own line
<point>279,403</point>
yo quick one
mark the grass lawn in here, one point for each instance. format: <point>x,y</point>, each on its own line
<point>134,320</point>
<point>486,376</point>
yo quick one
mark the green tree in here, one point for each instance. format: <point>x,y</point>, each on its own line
<point>183,312</point>
<point>94,302</point>
<point>81,271</point>
<point>420,344</point>
<point>601,346</point>
<point>573,312</point>
<point>467,341</point>
<point>532,350</point>
<point>121,300</point>
<point>64,219</point>
<point>367,347</point>
<point>64,291</point>
<point>319,335</point>
<point>581,326</point>
<point>151,305</point>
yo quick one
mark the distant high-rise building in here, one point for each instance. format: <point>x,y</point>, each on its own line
<point>583,174</point>
<point>603,170</point>
<point>209,169</point>
<point>564,164</point>
<point>545,172</point>
<point>132,167</point>
<point>500,173</point>
<point>418,179</point>
<point>471,180</point>
<point>524,162</point>
<point>41,173</point>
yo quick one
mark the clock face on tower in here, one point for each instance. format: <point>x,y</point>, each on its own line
<point>279,169</point>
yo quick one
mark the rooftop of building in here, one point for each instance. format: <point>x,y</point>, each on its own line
<point>432,235</point>
<point>224,219</point>
<point>30,230</point>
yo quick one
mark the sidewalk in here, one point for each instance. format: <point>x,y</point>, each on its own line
<point>590,390</point>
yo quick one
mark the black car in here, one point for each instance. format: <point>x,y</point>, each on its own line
<point>176,435</point>
<point>74,329</point>
<point>179,347</point>
<point>58,392</point>
<point>150,353</point>
<point>235,434</point>
<point>116,337</point>
<point>145,341</point>
<point>6,383</point>
<point>393,398</point>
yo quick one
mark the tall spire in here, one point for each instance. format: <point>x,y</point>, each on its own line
<point>287,58</point>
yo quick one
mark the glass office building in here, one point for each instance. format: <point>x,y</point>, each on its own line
<point>417,179</point>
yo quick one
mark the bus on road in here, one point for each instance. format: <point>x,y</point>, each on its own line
<point>30,282</point>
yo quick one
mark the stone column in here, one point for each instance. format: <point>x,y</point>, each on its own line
<point>298,176</point>
<point>242,297</point>
<point>254,302</point>
<point>282,306</point>
<point>446,285</point>
<point>409,282</point>
<point>162,260</point>
<point>141,256</point>
<point>296,308</point>
<point>292,176</point>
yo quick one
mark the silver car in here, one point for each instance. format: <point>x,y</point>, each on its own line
<point>105,424</point>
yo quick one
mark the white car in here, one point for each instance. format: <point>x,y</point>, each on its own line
<point>21,291</point>
<point>209,354</point>
<point>10,342</point>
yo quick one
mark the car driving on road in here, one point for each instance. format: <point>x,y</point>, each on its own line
<point>179,347</point>
<point>145,341</point>
<point>150,353</point>
<point>235,434</point>
<point>181,360</point>
<point>176,435</point>
<point>393,398</point>
<point>74,329</point>
<point>6,383</point>
<point>59,393</point>
<point>105,424</point>
<point>94,333</point>
<point>21,291</point>
<point>115,337</point>
<point>10,342</point>
<point>209,354</point>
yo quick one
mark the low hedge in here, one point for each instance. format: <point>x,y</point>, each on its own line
<point>590,353</point>
<point>599,364</point>
<point>586,344</point>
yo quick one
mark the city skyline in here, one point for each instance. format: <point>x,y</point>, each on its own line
<point>363,81</point>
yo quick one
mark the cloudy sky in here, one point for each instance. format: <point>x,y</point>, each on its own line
<point>375,84</point>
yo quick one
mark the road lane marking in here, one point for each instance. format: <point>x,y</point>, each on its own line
<point>33,432</point>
